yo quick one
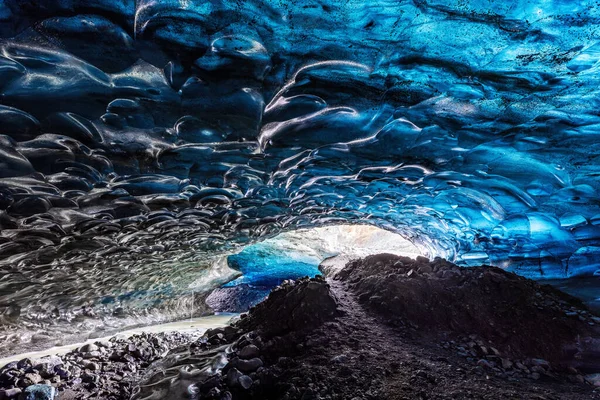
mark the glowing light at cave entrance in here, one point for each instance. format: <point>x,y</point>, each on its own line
<point>299,253</point>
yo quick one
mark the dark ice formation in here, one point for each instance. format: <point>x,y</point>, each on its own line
<point>141,140</point>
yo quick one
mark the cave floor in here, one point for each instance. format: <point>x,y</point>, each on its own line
<point>386,363</point>
<point>354,354</point>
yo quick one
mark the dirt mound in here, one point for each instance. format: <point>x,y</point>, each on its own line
<point>517,314</point>
<point>293,306</point>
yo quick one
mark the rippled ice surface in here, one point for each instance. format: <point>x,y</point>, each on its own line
<point>143,141</point>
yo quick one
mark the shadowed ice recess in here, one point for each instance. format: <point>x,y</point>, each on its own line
<point>142,142</point>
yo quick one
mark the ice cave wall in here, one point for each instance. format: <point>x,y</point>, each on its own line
<point>140,140</point>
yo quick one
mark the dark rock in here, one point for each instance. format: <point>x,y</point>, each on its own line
<point>88,348</point>
<point>89,377</point>
<point>210,383</point>
<point>226,396</point>
<point>9,393</point>
<point>32,378</point>
<point>39,392</point>
<point>245,382</point>
<point>24,363</point>
<point>232,377</point>
<point>248,352</point>
<point>29,206</point>
<point>92,366</point>
<point>247,366</point>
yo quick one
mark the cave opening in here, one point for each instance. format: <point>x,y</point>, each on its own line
<point>299,253</point>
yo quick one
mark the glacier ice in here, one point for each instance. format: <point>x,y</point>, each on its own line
<point>140,141</point>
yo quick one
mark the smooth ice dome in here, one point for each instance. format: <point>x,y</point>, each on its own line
<point>143,142</point>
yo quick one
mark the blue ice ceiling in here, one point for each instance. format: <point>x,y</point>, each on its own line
<point>139,136</point>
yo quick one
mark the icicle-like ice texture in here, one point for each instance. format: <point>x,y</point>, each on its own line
<point>141,141</point>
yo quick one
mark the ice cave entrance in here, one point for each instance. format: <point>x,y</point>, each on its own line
<point>299,253</point>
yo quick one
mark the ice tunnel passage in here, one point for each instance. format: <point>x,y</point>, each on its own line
<point>300,253</point>
<point>143,140</point>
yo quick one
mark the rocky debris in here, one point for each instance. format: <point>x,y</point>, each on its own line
<point>104,369</point>
<point>486,360</point>
<point>508,310</point>
<point>337,349</point>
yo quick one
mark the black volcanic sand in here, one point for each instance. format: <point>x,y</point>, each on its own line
<point>387,327</point>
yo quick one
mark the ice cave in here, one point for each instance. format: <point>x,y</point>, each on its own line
<point>299,199</point>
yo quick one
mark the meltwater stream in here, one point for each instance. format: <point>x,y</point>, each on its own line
<point>143,142</point>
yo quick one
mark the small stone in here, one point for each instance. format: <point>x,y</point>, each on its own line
<point>213,393</point>
<point>233,376</point>
<point>309,394</point>
<point>506,363</point>
<point>40,337</point>
<point>535,376</point>
<point>33,378</point>
<point>571,314</point>
<point>572,370</point>
<point>593,379</point>
<point>39,392</point>
<point>425,269</point>
<point>540,363</point>
<point>226,396</point>
<point>62,372</point>
<point>210,383</point>
<point>10,393</point>
<point>538,369</point>
<point>216,339</point>
<point>88,377</point>
<point>522,367</point>
<point>88,348</point>
<point>339,359</point>
<point>248,352</point>
<point>24,363</point>
<point>92,366</point>
<point>245,382</point>
<point>248,366</point>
